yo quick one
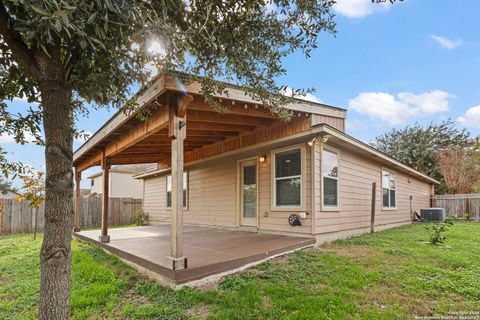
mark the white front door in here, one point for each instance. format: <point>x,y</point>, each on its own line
<point>248,193</point>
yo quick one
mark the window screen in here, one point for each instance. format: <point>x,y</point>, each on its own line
<point>330,178</point>
<point>389,189</point>
<point>288,178</point>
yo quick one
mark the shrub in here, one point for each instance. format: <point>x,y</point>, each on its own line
<point>437,231</point>
<point>140,218</point>
<point>467,215</point>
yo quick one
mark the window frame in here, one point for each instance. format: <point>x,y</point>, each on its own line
<point>381,189</point>
<point>185,205</point>
<point>337,152</point>
<point>273,205</point>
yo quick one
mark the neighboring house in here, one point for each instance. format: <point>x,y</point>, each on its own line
<point>8,194</point>
<point>121,182</point>
<point>248,170</point>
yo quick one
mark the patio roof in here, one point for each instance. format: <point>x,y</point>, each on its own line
<point>126,139</point>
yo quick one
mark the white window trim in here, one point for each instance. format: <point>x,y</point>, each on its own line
<point>337,151</point>
<point>185,205</point>
<point>303,186</point>
<point>381,189</point>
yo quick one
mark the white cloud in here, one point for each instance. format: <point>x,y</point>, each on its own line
<point>471,118</point>
<point>358,8</point>
<point>446,43</point>
<point>395,111</point>
<point>383,106</point>
<point>428,102</point>
<point>308,96</point>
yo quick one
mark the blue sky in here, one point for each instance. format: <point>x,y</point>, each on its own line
<point>389,65</point>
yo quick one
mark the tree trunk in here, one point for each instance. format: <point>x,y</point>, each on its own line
<point>55,256</point>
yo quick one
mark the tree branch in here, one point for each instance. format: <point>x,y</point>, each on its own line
<point>23,55</point>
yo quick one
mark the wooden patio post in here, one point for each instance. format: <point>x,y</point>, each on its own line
<point>76,220</point>
<point>104,237</point>
<point>177,133</point>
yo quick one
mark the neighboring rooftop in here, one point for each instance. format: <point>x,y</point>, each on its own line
<point>134,169</point>
<point>8,194</point>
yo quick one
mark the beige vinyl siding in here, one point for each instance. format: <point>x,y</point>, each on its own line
<point>213,196</point>
<point>154,199</point>
<point>121,185</point>
<point>212,192</point>
<point>356,177</point>
<point>337,123</point>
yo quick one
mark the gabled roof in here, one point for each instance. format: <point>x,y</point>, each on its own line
<point>165,83</point>
<point>371,152</point>
<point>133,169</point>
<point>6,191</point>
<point>334,136</point>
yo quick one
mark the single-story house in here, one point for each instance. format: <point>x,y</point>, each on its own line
<point>249,171</point>
<point>121,181</point>
<point>8,194</point>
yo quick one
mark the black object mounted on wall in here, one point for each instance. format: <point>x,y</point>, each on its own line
<point>294,220</point>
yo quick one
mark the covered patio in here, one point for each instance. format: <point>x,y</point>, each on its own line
<point>210,251</point>
<point>182,129</point>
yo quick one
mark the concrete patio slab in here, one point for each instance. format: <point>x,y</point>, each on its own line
<point>209,251</point>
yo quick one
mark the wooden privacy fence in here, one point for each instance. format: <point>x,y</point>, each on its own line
<point>17,217</point>
<point>458,204</point>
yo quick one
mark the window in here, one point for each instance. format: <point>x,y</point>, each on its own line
<point>330,178</point>
<point>92,183</point>
<point>288,178</point>
<point>388,189</point>
<point>169,190</point>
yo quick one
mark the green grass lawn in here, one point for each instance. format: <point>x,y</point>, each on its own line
<point>388,275</point>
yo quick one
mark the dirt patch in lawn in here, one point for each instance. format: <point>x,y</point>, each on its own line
<point>136,299</point>
<point>198,312</point>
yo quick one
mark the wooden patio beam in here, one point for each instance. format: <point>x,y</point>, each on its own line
<point>238,109</point>
<point>160,139</point>
<point>193,132</point>
<point>210,117</point>
<point>157,121</point>
<point>197,125</point>
<point>90,161</point>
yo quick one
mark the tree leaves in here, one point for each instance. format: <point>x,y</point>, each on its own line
<point>417,146</point>
<point>237,41</point>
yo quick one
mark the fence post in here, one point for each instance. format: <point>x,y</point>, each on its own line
<point>372,216</point>
<point>2,209</point>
